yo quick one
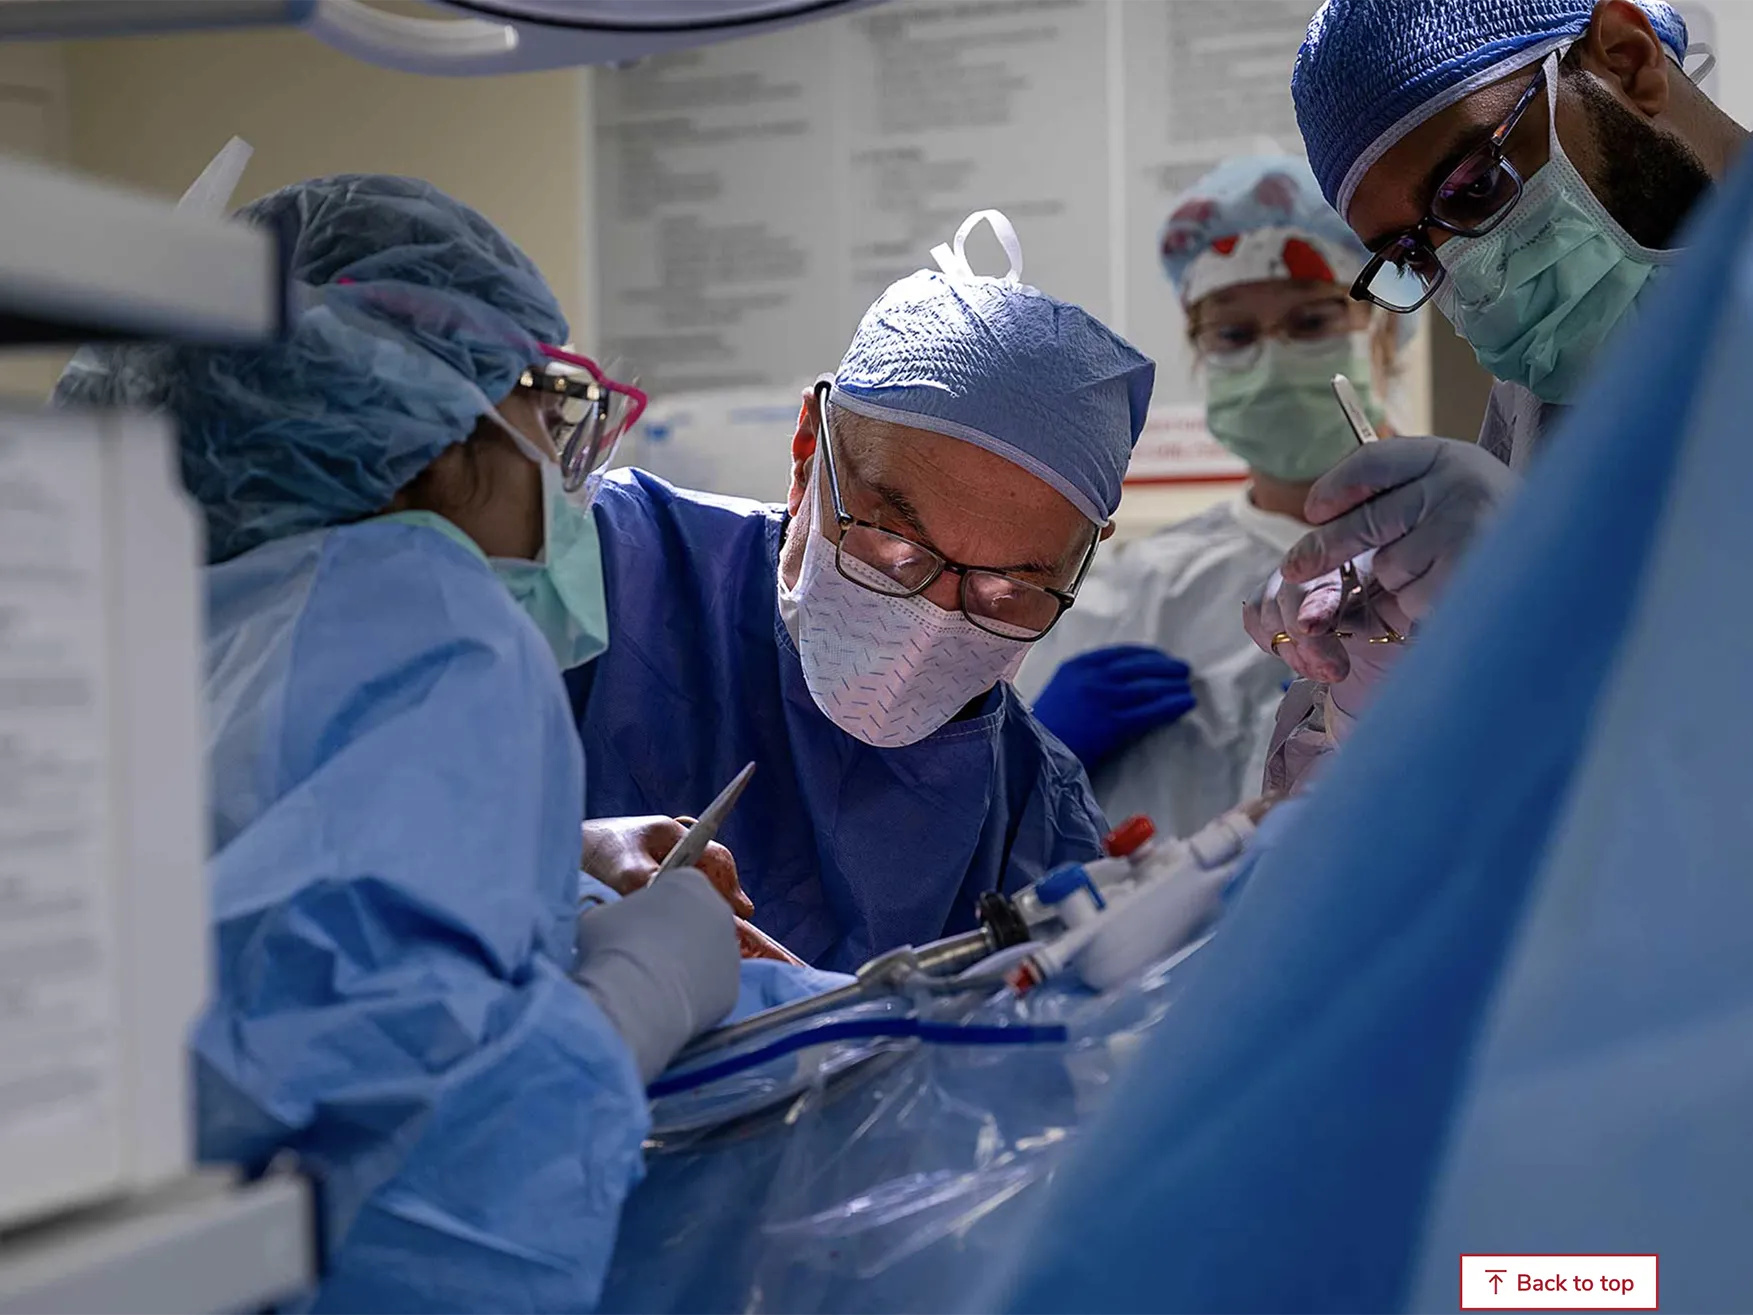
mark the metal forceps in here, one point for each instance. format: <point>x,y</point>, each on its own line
<point>1353,590</point>
<point>1351,587</point>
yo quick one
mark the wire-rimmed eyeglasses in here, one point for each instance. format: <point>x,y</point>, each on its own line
<point>888,563</point>
<point>1474,199</point>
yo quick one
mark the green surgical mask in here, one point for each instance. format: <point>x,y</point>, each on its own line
<point>1539,295</point>
<point>1279,414</point>
<point>563,593</point>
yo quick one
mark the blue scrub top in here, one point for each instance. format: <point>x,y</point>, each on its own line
<point>847,850</point>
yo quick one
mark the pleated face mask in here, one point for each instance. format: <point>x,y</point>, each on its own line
<point>1278,413</point>
<point>1539,295</point>
<point>888,671</point>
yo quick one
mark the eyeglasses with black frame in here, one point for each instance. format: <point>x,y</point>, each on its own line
<point>587,412</point>
<point>887,563</point>
<point>1474,199</point>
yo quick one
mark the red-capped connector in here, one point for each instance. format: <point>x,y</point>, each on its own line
<point>1129,837</point>
<point>1024,977</point>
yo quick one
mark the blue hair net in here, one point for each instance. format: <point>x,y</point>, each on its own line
<point>1033,379</point>
<point>414,315</point>
<point>1252,218</point>
<point>1370,71</point>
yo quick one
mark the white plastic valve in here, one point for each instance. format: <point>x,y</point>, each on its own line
<point>1169,909</point>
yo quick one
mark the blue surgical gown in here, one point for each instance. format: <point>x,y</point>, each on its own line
<point>1491,991</point>
<point>846,850</point>
<point>396,785</point>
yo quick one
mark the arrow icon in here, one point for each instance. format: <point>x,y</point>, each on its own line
<point>1496,1279</point>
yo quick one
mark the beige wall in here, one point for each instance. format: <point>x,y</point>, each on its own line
<point>1734,32</point>
<point>151,113</point>
<point>33,124</point>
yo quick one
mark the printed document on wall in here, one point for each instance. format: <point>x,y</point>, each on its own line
<point>716,223</point>
<point>755,197</point>
<point>952,108</point>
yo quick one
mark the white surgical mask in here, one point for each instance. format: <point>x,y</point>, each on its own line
<point>888,671</point>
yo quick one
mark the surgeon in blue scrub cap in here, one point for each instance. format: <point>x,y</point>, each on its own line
<point>1526,166</point>
<point>405,995</point>
<point>949,485</point>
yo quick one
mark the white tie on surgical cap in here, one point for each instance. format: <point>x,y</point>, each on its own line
<point>955,262</point>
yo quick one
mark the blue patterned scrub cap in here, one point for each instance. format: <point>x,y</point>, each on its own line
<point>1370,71</point>
<point>1035,380</point>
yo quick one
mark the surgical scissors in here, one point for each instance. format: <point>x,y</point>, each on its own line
<point>1352,588</point>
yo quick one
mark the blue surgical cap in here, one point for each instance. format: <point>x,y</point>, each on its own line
<point>413,314</point>
<point>1370,71</point>
<point>1251,219</point>
<point>991,361</point>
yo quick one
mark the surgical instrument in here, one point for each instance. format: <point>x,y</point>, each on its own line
<point>1042,913</point>
<point>1350,586</point>
<point>704,829</point>
<point>1352,405</point>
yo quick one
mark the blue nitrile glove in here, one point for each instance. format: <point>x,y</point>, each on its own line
<point>1101,701</point>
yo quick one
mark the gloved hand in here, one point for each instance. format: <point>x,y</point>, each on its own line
<point>624,852</point>
<point>662,964</point>
<point>1307,614</point>
<point>1418,501</point>
<point>1101,701</point>
<point>1366,664</point>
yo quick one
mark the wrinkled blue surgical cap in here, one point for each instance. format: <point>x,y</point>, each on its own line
<point>1030,378</point>
<point>1202,244</point>
<point>1370,71</point>
<point>412,315</point>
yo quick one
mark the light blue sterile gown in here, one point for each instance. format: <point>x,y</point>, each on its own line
<point>846,850</point>
<point>1492,991</point>
<point>396,785</point>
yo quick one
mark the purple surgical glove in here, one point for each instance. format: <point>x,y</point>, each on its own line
<point>1419,502</point>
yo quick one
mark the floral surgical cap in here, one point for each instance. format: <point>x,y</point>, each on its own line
<point>1252,219</point>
